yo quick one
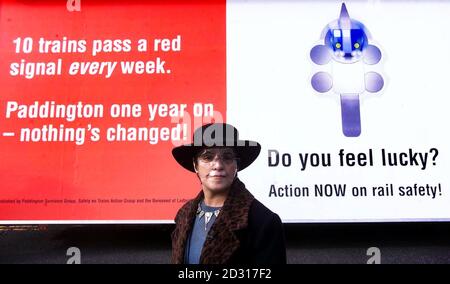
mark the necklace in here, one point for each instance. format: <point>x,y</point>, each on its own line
<point>207,214</point>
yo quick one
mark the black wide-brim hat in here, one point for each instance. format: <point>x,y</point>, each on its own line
<point>217,135</point>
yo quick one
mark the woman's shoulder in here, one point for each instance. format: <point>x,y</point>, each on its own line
<point>185,209</point>
<point>261,213</point>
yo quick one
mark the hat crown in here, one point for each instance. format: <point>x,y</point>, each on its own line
<point>216,135</point>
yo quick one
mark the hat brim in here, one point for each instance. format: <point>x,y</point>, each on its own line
<point>247,154</point>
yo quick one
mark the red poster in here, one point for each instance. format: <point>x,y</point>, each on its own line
<point>93,99</point>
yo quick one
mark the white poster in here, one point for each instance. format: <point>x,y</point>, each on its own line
<point>350,103</point>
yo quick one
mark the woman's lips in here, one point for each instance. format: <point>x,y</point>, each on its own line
<point>217,175</point>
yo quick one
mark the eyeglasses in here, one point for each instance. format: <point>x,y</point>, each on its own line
<point>226,156</point>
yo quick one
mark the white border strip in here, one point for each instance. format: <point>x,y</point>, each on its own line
<point>80,222</point>
<point>289,221</point>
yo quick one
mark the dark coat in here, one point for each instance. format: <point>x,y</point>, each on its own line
<point>245,232</point>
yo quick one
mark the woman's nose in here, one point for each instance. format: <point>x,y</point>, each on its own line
<point>217,162</point>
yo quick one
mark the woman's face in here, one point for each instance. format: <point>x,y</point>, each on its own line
<point>216,168</point>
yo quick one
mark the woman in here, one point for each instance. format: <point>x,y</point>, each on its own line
<point>224,224</point>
